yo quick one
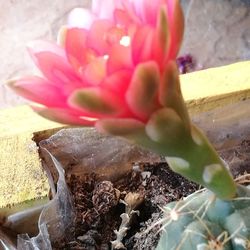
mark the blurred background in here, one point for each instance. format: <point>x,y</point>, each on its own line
<point>217,33</point>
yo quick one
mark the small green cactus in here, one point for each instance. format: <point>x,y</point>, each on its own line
<point>203,222</point>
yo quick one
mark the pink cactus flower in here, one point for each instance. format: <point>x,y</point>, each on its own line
<point>111,63</point>
<point>115,68</point>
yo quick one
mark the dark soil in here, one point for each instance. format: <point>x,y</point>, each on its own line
<point>99,203</point>
<point>98,206</point>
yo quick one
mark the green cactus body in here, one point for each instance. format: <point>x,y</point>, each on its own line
<point>203,222</point>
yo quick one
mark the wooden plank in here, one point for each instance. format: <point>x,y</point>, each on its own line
<point>21,175</point>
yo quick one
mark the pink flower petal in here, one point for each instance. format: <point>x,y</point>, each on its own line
<point>54,65</point>
<point>162,37</point>
<point>118,82</point>
<point>114,35</point>
<point>176,26</point>
<point>96,102</point>
<point>104,9</point>
<point>170,92</point>
<point>142,94</point>
<point>122,18</point>
<point>119,58</point>
<point>38,46</point>
<point>97,36</point>
<point>130,10</point>
<point>75,46</point>
<point>77,52</point>
<point>95,71</point>
<point>151,10</point>
<point>139,8</point>
<point>64,116</point>
<point>121,127</point>
<point>39,90</point>
<point>143,12</point>
<point>142,44</point>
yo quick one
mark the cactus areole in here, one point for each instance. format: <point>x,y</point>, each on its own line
<point>114,68</point>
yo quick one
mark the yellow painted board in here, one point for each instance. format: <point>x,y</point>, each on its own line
<point>22,119</point>
<point>20,171</point>
<point>21,175</point>
<point>208,89</point>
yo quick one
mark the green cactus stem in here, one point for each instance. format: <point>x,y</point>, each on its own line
<point>203,222</point>
<point>190,153</point>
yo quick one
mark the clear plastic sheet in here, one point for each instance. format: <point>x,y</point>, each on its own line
<point>226,126</point>
<point>228,129</point>
<point>84,150</point>
<point>19,219</point>
<point>6,242</point>
<point>56,221</point>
